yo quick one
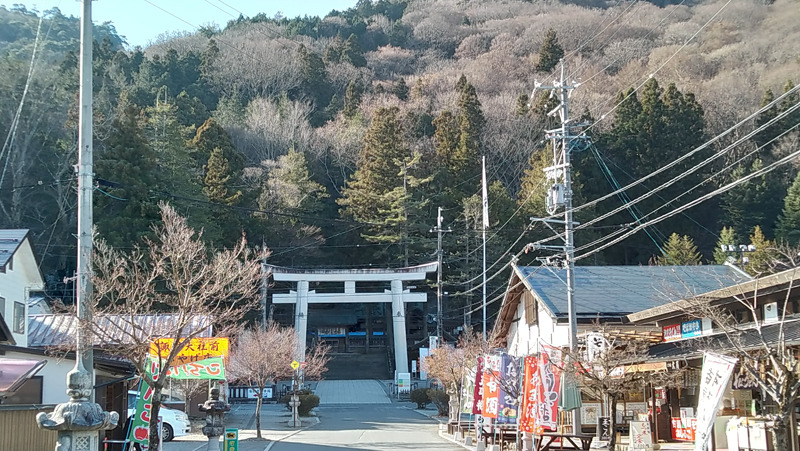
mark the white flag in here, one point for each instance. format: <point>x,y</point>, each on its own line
<point>485,197</point>
<point>717,370</point>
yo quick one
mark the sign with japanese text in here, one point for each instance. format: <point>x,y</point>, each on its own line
<point>640,437</point>
<point>530,394</point>
<point>604,428</point>
<point>683,430</point>
<point>550,380</point>
<point>491,385</point>
<point>213,368</point>
<point>691,329</point>
<point>508,408</point>
<point>477,393</point>
<point>714,377</point>
<point>468,390</point>
<point>140,421</point>
<point>671,333</point>
<point>195,350</point>
<point>743,379</point>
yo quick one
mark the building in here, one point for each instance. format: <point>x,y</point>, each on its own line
<point>746,320</point>
<point>534,311</point>
<point>19,278</point>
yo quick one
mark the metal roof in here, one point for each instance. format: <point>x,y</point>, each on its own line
<point>10,240</point>
<point>621,290</point>
<point>59,329</point>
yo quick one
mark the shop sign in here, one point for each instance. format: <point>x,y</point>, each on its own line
<point>743,379</point>
<point>691,329</point>
<point>196,349</point>
<point>640,436</point>
<point>604,428</point>
<point>683,430</point>
<point>671,333</point>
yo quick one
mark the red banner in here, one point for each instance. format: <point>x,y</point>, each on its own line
<point>530,394</point>
<point>491,386</point>
<point>477,395</point>
<point>550,380</point>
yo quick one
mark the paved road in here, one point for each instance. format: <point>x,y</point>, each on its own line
<point>384,427</point>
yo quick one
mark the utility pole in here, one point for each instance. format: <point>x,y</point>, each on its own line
<point>560,194</point>
<point>439,231</point>
<point>80,420</point>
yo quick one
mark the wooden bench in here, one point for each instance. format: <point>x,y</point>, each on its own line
<point>565,441</point>
<point>500,435</point>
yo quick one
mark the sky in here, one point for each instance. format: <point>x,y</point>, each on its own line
<point>141,21</point>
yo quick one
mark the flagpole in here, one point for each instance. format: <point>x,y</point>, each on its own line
<point>485,226</point>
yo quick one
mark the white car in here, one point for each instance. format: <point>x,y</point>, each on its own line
<point>174,423</point>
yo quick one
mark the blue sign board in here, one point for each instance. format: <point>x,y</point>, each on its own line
<point>693,328</point>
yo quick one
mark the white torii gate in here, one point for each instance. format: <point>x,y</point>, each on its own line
<point>301,297</point>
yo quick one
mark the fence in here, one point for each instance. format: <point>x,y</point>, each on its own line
<point>21,419</point>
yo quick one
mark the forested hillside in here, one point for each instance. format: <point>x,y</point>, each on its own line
<point>333,141</point>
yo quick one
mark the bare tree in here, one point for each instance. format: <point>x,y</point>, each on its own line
<point>173,273</point>
<point>608,369</point>
<point>450,363</point>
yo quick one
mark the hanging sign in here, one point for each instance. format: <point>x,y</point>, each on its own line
<point>508,408</point>
<point>714,377</point>
<point>691,329</point>
<point>491,386</point>
<point>477,393</point>
<point>531,387</point>
<point>550,380</point>
<point>604,429</point>
<point>212,368</point>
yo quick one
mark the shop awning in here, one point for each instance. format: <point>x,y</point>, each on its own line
<point>14,373</point>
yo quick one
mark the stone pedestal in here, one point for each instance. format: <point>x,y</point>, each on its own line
<point>215,417</point>
<point>294,402</point>
<point>78,421</point>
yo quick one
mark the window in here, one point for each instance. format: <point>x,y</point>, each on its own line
<point>3,307</point>
<point>29,393</point>
<point>19,318</point>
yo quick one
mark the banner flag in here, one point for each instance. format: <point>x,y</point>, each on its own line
<point>550,380</point>
<point>530,394</point>
<point>491,385</point>
<point>468,391</point>
<point>477,394</point>
<point>485,194</point>
<point>714,378</point>
<point>508,409</point>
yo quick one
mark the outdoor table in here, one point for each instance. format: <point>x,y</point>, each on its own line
<point>576,441</point>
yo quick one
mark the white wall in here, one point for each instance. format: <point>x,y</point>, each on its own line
<point>524,339</point>
<point>54,375</point>
<point>15,284</point>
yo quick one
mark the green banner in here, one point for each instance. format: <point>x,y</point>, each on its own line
<point>213,368</point>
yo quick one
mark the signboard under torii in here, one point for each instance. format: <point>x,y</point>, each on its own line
<point>195,350</point>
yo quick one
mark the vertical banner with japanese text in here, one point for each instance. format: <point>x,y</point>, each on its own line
<point>477,394</point>
<point>468,391</point>
<point>508,408</point>
<point>550,379</point>
<point>530,394</point>
<point>491,385</point>
<point>714,378</point>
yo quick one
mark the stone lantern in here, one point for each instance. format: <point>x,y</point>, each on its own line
<point>215,412</point>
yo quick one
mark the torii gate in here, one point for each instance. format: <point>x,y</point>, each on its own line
<point>301,297</point>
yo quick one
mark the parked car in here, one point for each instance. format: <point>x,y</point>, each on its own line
<point>174,423</point>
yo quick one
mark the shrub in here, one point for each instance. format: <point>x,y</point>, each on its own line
<point>441,400</point>
<point>419,396</point>
<point>308,400</point>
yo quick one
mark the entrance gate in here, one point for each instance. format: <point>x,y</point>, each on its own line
<point>398,296</point>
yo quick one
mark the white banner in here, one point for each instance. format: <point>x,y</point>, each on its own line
<point>716,372</point>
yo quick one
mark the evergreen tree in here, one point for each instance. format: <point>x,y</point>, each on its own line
<point>210,136</point>
<point>788,229</point>
<point>127,182</point>
<point>466,159</point>
<point>372,195</point>
<point>727,237</point>
<point>333,52</point>
<point>765,254</point>
<point>400,89</point>
<point>352,99</point>
<point>522,109</point>
<point>550,53</point>
<point>314,85</point>
<point>679,250</point>
<point>461,83</point>
<point>352,53</point>
<point>216,183</point>
<point>754,202</point>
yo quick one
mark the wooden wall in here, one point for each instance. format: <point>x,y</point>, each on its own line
<point>21,432</point>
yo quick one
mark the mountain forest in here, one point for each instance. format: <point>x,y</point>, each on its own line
<point>334,141</point>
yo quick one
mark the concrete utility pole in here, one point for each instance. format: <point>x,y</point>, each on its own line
<point>80,420</point>
<point>439,230</point>
<point>560,194</point>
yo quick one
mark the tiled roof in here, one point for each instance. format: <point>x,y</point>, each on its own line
<point>59,329</point>
<point>620,290</point>
<point>10,240</point>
